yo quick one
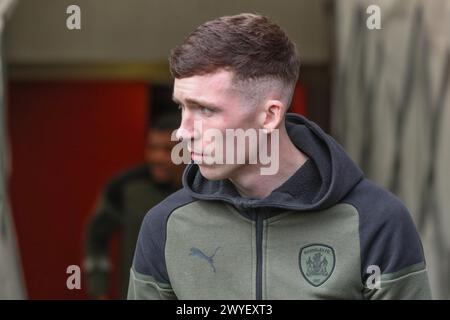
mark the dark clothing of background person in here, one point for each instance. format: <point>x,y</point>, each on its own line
<point>121,207</point>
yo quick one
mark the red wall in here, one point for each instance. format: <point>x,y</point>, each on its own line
<point>299,100</point>
<point>67,139</point>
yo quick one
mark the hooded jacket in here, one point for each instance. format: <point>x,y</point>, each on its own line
<point>326,233</point>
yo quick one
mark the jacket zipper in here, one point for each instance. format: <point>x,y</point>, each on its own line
<point>259,241</point>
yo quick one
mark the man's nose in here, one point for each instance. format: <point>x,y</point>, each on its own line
<point>186,131</point>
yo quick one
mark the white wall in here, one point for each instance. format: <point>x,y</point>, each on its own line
<point>143,31</point>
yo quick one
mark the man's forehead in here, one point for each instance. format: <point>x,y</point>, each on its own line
<point>203,86</point>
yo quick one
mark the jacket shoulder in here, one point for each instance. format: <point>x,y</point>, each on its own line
<point>149,257</point>
<point>388,235</point>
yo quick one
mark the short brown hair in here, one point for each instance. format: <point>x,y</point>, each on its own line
<point>248,44</point>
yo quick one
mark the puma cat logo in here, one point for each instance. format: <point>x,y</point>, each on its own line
<point>210,259</point>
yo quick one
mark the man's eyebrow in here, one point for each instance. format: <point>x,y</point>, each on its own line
<point>197,102</point>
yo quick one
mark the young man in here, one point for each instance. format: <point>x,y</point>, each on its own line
<point>315,228</point>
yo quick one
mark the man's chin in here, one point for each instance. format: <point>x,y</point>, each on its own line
<point>213,172</point>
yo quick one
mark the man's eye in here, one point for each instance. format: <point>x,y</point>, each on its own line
<point>205,110</point>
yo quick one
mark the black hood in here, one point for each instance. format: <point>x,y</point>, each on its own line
<point>327,176</point>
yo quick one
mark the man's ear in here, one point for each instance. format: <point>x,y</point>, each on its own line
<point>273,114</point>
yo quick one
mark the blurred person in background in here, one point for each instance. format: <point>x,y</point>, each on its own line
<point>123,204</point>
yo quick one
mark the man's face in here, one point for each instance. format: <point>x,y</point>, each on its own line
<point>157,154</point>
<point>213,101</point>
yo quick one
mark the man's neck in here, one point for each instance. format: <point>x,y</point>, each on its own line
<point>251,184</point>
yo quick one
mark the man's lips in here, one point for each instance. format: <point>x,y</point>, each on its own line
<point>195,155</point>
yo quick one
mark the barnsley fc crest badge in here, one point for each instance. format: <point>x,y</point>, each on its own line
<point>316,263</point>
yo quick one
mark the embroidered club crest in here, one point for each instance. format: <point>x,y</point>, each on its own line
<point>316,262</point>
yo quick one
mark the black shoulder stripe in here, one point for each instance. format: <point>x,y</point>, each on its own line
<point>149,257</point>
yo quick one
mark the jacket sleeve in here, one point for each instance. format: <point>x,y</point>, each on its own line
<point>393,261</point>
<point>411,283</point>
<point>148,275</point>
<point>106,220</point>
<point>149,278</point>
<point>145,287</point>
<point>391,254</point>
